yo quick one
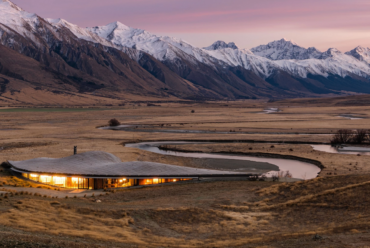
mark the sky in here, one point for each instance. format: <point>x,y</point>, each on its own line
<point>342,24</point>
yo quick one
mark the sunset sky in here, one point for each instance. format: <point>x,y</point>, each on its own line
<point>341,24</point>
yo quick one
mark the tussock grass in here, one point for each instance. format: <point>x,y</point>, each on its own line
<point>115,226</point>
<point>43,216</point>
<point>59,219</point>
<point>309,191</point>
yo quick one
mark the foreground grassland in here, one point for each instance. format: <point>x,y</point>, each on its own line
<point>214,214</point>
<point>206,214</point>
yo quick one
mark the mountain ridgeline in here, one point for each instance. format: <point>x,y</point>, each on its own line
<point>51,60</point>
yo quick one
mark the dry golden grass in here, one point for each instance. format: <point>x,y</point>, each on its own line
<point>43,216</point>
<point>58,219</point>
<point>216,214</point>
<point>309,197</point>
<point>136,217</point>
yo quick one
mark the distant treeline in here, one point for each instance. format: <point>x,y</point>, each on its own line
<point>346,136</point>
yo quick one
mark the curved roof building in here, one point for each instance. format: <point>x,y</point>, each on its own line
<point>96,170</point>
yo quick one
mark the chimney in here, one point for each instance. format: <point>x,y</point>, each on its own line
<point>75,150</point>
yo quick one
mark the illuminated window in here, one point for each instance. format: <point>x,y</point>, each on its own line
<point>155,181</point>
<point>45,179</point>
<point>174,180</point>
<point>124,182</point>
<point>34,177</point>
<point>74,182</point>
<point>59,181</point>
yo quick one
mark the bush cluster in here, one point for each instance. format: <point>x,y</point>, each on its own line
<point>114,123</point>
<point>345,136</point>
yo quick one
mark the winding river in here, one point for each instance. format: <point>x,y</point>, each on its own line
<point>298,169</point>
<point>242,163</point>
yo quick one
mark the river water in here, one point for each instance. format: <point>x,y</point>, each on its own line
<point>298,169</point>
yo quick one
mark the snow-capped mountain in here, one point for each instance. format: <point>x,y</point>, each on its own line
<point>263,60</point>
<point>81,33</point>
<point>56,56</point>
<point>285,49</point>
<point>360,53</point>
<point>14,19</point>
<point>163,48</point>
<point>220,45</point>
<point>117,58</point>
<point>329,62</point>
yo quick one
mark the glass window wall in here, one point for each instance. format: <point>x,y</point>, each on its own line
<point>61,181</point>
<point>160,180</point>
<point>91,183</point>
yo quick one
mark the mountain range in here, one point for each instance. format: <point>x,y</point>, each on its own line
<point>52,61</point>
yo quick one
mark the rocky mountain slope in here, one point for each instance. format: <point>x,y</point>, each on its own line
<point>122,63</point>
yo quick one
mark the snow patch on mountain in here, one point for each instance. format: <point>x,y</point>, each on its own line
<point>360,53</point>
<point>14,19</point>
<point>11,4</point>
<point>17,19</point>
<point>81,33</point>
<point>285,49</point>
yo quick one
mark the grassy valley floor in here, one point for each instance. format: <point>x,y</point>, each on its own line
<point>196,214</point>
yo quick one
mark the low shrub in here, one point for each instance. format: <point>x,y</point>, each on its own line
<point>114,122</point>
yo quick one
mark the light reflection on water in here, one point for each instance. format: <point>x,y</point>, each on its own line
<point>351,117</point>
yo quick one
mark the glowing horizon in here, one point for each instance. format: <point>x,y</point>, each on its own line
<point>322,24</point>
